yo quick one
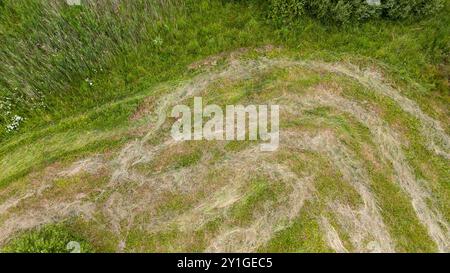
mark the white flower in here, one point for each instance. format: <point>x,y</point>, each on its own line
<point>15,123</point>
<point>89,81</point>
<point>158,41</point>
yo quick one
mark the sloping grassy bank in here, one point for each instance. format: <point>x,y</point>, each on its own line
<point>59,60</point>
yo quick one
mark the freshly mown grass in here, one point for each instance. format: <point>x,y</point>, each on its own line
<point>303,235</point>
<point>260,192</point>
<point>95,131</point>
<point>425,164</point>
<point>74,118</point>
<point>408,233</point>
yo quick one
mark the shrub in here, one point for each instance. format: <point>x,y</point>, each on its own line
<point>403,9</point>
<point>346,11</point>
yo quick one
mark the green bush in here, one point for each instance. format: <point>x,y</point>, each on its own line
<point>403,9</point>
<point>347,11</point>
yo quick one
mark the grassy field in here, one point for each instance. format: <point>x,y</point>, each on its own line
<point>86,161</point>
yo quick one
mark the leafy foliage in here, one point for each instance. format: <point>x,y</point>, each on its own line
<point>346,11</point>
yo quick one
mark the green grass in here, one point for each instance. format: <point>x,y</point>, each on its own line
<point>260,192</point>
<point>53,238</point>
<point>188,159</point>
<point>203,28</point>
<point>303,235</point>
<point>172,239</point>
<point>426,165</point>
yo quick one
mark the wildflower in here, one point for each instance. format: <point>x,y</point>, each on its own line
<point>15,123</point>
<point>89,81</point>
<point>158,41</point>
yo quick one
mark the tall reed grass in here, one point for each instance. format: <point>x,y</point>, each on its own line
<point>48,46</point>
